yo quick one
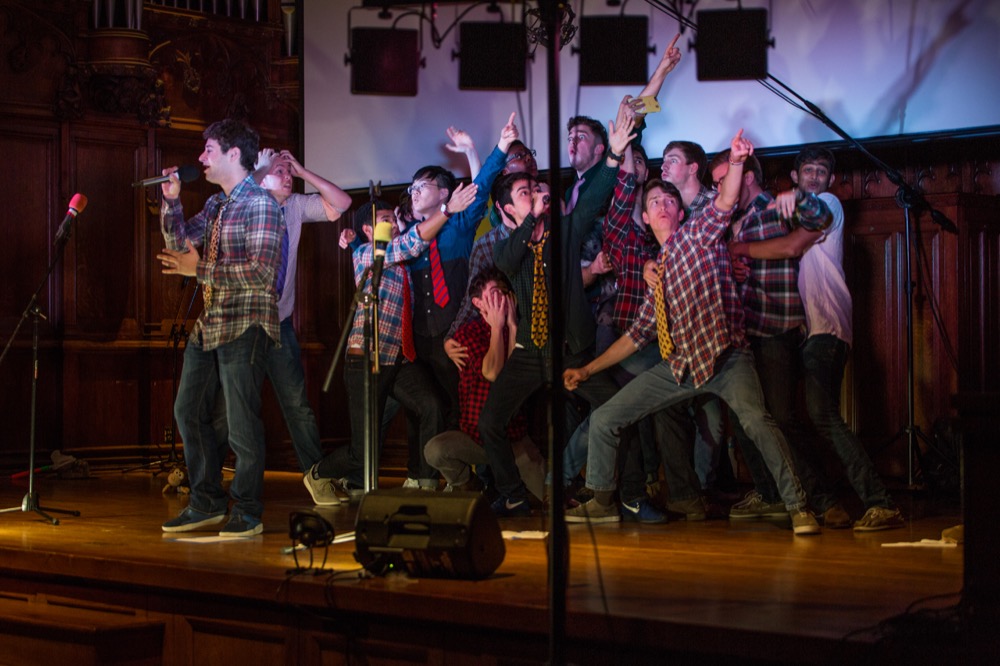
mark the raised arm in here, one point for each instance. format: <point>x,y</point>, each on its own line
<point>335,197</point>
<point>729,190</point>
<point>461,142</point>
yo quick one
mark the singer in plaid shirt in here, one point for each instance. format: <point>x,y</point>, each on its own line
<point>706,325</point>
<point>229,343</point>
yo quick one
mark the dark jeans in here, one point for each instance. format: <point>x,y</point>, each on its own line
<point>443,372</point>
<point>522,375</point>
<point>284,370</point>
<point>238,369</point>
<point>777,359</point>
<point>412,387</point>
<point>823,361</point>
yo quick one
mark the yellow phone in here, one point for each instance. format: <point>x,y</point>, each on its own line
<point>649,104</point>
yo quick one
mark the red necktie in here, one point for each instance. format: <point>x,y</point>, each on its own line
<point>437,276</point>
<point>409,351</point>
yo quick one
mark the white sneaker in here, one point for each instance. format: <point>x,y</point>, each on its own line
<point>411,483</point>
<point>321,490</point>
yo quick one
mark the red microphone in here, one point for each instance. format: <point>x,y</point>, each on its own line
<point>76,206</point>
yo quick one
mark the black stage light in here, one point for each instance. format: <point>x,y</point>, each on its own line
<point>613,50</point>
<point>732,44</point>
<point>309,529</point>
<point>493,56</point>
<point>384,61</point>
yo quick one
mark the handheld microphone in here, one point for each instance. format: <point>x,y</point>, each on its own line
<point>76,206</point>
<point>380,238</point>
<point>545,199</point>
<point>186,173</point>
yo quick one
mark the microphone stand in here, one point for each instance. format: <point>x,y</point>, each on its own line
<point>177,333</point>
<point>30,501</point>
<point>907,197</point>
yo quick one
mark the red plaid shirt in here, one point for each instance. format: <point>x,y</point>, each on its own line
<point>704,311</point>
<point>473,388</point>
<point>771,293</point>
<point>628,247</point>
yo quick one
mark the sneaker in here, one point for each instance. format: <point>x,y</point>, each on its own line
<point>692,509</point>
<point>411,483</point>
<point>192,519</point>
<point>242,525</point>
<point>879,518</point>
<point>804,523</point>
<point>353,492</point>
<point>836,518</point>
<point>505,507</point>
<point>473,485</point>
<point>593,511</point>
<point>322,490</point>
<point>753,507</point>
<point>642,511</point>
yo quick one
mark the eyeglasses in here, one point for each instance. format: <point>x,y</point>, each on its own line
<point>420,186</point>
<point>528,152</point>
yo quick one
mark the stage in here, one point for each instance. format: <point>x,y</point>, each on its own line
<point>710,592</point>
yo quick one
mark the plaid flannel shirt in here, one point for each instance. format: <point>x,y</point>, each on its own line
<point>242,278</point>
<point>628,247</point>
<point>703,308</point>
<point>771,293</point>
<point>390,293</point>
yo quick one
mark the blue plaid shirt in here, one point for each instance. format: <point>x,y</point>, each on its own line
<point>390,293</point>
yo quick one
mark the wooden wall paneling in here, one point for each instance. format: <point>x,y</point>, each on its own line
<point>104,268</point>
<point>977,285</point>
<point>29,221</point>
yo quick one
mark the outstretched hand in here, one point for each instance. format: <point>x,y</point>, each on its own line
<point>620,131</point>
<point>740,148</point>
<point>461,142</point>
<point>462,197</point>
<point>508,134</point>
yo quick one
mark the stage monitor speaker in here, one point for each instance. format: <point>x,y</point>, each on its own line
<point>493,56</point>
<point>384,61</point>
<point>613,50</point>
<point>732,44</point>
<point>453,535</point>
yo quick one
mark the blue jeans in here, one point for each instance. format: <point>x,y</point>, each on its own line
<point>823,360</point>
<point>735,381</point>
<point>238,367</point>
<point>284,369</point>
<point>710,429</point>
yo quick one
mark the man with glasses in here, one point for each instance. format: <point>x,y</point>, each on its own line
<point>440,273</point>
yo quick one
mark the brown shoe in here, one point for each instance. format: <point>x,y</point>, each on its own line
<point>836,518</point>
<point>879,518</point>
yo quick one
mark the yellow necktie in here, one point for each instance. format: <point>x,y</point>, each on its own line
<point>213,250</point>
<point>539,296</point>
<point>662,325</point>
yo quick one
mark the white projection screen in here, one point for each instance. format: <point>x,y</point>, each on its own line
<point>878,68</point>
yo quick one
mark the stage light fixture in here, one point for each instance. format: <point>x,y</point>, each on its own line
<point>732,44</point>
<point>493,56</point>
<point>625,64</point>
<point>384,61</point>
<point>309,529</point>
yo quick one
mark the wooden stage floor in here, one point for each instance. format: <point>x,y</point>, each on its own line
<point>699,591</point>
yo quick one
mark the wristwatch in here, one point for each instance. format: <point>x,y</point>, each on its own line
<point>444,209</point>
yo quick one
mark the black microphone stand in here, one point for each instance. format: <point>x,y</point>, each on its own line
<point>369,299</point>
<point>907,197</point>
<point>177,333</point>
<point>30,501</point>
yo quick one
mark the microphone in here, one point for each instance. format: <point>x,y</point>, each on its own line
<point>76,206</point>
<point>380,238</point>
<point>545,199</point>
<point>186,173</point>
